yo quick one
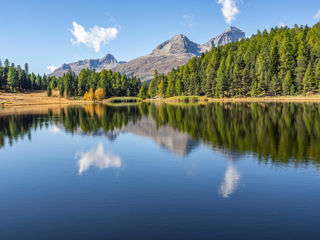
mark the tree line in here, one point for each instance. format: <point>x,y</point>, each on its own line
<point>17,78</point>
<point>281,61</point>
<point>112,83</point>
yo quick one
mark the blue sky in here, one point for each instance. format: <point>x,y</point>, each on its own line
<point>40,32</point>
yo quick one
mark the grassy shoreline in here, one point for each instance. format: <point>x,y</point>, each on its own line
<point>40,98</point>
<point>203,99</point>
<point>35,98</point>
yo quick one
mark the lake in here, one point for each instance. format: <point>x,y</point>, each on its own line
<point>145,171</point>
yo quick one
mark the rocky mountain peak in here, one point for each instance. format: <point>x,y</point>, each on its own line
<point>179,44</point>
<point>179,37</point>
<point>230,35</point>
<point>108,59</point>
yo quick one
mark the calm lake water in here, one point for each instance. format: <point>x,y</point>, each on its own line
<point>216,171</point>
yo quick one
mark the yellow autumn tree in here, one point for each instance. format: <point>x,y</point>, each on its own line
<point>89,95</point>
<point>99,94</point>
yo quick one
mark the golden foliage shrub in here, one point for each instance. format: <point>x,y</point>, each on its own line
<point>99,94</point>
<point>89,95</point>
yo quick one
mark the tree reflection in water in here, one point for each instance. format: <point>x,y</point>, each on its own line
<point>282,133</point>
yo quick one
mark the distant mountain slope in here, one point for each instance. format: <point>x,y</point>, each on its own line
<point>169,54</point>
<point>107,62</point>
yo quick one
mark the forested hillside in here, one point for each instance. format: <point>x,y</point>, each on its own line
<point>282,61</point>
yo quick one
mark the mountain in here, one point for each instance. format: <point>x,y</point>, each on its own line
<point>107,62</point>
<point>170,54</point>
<point>173,53</point>
<point>232,34</point>
<point>179,44</point>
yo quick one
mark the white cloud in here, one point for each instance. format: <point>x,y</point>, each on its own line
<point>230,181</point>
<point>97,158</point>
<point>51,68</point>
<point>229,10</point>
<point>188,21</point>
<point>95,37</point>
<point>317,16</point>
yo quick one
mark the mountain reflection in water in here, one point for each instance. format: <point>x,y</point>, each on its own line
<point>282,133</point>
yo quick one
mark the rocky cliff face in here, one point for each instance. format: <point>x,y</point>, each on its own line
<point>232,34</point>
<point>107,62</point>
<point>168,55</point>
<point>179,44</point>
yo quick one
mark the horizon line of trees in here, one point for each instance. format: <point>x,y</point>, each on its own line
<point>281,61</point>
<point>112,83</point>
<point>19,79</point>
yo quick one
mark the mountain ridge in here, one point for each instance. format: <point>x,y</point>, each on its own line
<point>168,55</point>
<point>106,62</point>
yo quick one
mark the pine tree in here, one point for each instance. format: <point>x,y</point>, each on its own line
<point>308,80</point>
<point>317,76</point>
<point>302,62</point>
<point>49,91</point>
<point>38,82</point>
<point>292,90</point>
<point>286,86</point>
<point>12,78</point>
<point>220,87</point>
<point>274,58</point>
<point>274,86</point>
<point>178,87</point>
<point>61,87</point>
<point>152,89</point>
<point>245,83</point>
<point>82,83</point>
<point>254,89</point>
<point>104,82</point>
<point>143,93</point>
<point>161,89</point>
<point>1,77</point>
<point>171,87</point>
<point>68,83</point>
<point>286,57</point>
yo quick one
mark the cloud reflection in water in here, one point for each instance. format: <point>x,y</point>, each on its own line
<point>230,181</point>
<point>97,158</point>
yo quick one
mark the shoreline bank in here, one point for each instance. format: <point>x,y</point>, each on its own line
<point>33,99</point>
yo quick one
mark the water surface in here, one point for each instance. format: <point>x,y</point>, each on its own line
<point>216,171</point>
